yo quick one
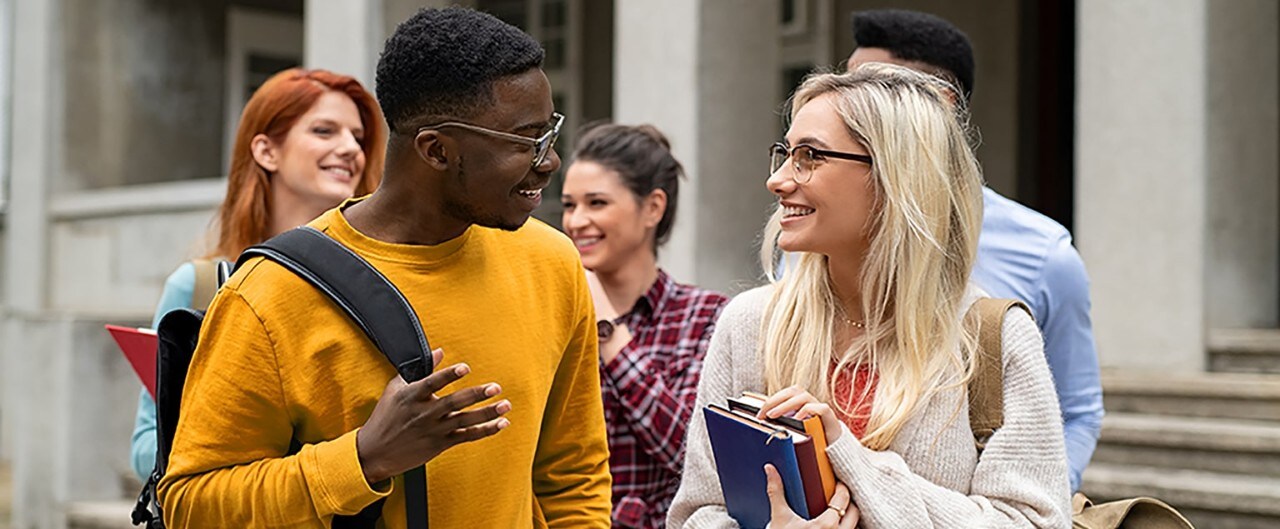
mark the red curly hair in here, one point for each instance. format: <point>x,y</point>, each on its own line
<point>243,219</point>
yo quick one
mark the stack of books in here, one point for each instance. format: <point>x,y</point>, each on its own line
<point>743,443</point>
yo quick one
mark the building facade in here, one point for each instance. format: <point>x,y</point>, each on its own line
<point>1149,127</point>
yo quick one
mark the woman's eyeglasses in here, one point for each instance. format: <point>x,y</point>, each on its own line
<point>805,157</point>
<point>541,145</point>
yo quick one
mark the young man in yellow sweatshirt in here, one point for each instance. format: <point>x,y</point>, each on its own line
<point>511,430</point>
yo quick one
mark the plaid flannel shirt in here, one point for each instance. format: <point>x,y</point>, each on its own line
<point>649,392</point>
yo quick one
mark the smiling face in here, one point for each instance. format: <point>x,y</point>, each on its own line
<point>607,223</point>
<point>831,213</point>
<point>493,184</point>
<point>321,160</point>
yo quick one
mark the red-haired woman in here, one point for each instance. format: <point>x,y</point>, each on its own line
<point>307,140</point>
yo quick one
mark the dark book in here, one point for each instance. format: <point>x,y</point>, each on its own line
<point>815,468</point>
<point>742,445</point>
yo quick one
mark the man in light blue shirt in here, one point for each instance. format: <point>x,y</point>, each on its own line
<point>1022,254</point>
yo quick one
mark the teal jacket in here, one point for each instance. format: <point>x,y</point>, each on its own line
<point>177,294</point>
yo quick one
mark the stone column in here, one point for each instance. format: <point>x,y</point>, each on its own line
<point>1243,170</point>
<point>710,83</point>
<point>344,36</point>
<point>1141,178</point>
<point>6,128</point>
<point>36,91</point>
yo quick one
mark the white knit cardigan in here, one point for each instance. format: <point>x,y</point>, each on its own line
<point>931,476</point>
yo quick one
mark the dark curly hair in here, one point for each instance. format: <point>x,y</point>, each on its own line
<point>442,63</point>
<point>641,155</point>
<point>919,37</point>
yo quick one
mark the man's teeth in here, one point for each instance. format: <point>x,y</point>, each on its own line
<point>532,193</point>
<point>796,211</point>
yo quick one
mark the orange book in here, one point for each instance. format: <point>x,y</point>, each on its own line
<point>813,427</point>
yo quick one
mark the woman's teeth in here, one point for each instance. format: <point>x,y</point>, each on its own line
<point>583,243</point>
<point>340,171</point>
<point>796,211</point>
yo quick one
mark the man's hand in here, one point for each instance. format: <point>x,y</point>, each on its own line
<point>411,425</point>
<point>840,513</point>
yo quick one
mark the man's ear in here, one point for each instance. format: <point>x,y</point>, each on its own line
<point>433,148</point>
<point>652,208</point>
<point>265,152</point>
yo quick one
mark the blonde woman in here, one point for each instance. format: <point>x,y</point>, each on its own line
<point>879,208</point>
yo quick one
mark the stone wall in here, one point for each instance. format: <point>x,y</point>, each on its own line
<point>143,92</point>
<point>110,251</point>
<point>70,396</point>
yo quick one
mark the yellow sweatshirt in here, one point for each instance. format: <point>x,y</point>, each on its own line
<point>277,361</point>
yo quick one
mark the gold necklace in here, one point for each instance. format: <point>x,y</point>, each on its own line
<point>855,324</point>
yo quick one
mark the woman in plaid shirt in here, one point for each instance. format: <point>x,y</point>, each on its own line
<point>619,206</point>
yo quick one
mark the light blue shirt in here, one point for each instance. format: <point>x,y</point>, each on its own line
<point>177,293</point>
<point>1025,255</point>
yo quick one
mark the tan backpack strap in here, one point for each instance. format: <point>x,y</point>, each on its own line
<point>1140,512</point>
<point>986,388</point>
<point>206,283</point>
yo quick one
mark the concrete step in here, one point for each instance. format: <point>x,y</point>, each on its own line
<point>1217,395</point>
<point>1210,500</point>
<point>100,515</point>
<point>1196,443</point>
<point>1244,350</point>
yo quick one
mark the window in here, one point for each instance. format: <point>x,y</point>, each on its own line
<point>805,31</point>
<point>794,16</point>
<point>259,44</point>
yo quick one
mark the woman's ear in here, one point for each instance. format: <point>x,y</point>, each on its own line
<point>265,152</point>
<point>653,207</point>
<point>430,146</point>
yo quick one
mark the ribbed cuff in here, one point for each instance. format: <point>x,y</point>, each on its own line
<point>338,476</point>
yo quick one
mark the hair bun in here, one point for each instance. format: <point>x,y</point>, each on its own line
<point>654,134</point>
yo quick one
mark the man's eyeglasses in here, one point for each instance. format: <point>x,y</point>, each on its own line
<point>541,145</point>
<point>805,157</point>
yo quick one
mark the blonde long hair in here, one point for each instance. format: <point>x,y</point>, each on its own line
<point>923,238</point>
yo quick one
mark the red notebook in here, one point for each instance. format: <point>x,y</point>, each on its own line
<point>139,347</point>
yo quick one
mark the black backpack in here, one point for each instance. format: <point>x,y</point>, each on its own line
<point>363,293</point>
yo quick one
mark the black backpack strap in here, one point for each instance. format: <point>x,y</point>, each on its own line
<point>375,305</point>
<point>360,290</point>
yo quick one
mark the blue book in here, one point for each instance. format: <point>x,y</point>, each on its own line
<point>742,445</point>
